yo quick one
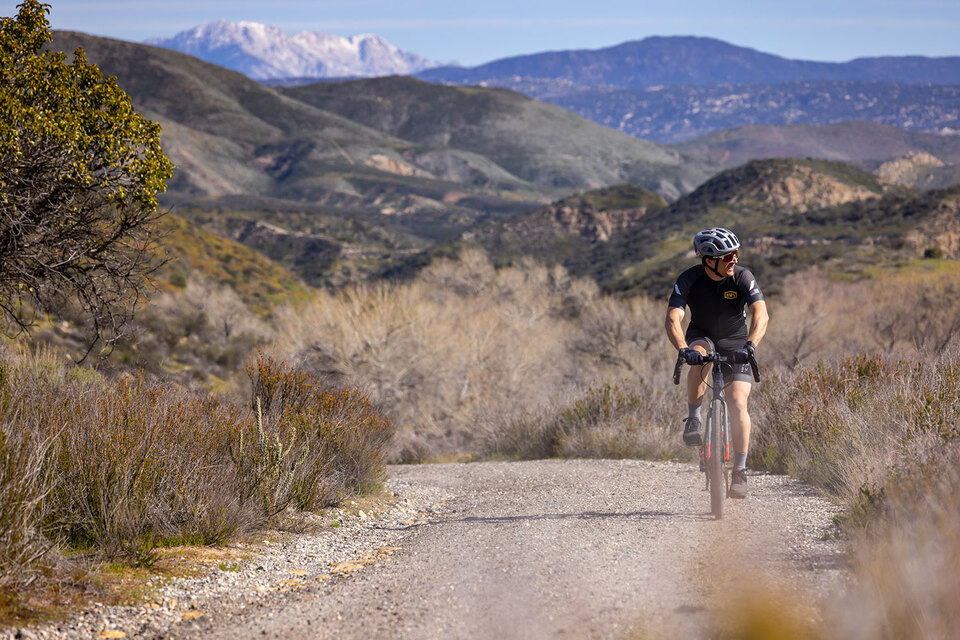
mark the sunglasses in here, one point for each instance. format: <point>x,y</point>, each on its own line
<point>730,257</point>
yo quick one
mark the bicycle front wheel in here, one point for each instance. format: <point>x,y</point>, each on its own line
<point>716,458</point>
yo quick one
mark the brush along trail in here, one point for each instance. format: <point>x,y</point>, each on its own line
<point>549,549</point>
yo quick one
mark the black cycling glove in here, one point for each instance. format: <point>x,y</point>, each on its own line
<point>743,356</point>
<point>691,356</point>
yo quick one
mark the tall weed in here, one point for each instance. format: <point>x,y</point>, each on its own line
<point>24,484</point>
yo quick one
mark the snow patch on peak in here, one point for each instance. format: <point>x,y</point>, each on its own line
<point>268,52</point>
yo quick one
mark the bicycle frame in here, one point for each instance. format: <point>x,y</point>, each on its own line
<point>715,450</point>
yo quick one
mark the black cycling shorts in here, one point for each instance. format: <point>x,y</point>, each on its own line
<point>725,347</point>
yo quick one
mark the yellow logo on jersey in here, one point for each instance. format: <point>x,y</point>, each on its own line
<point>730,295</point>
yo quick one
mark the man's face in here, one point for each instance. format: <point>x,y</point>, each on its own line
<point>725,264</point>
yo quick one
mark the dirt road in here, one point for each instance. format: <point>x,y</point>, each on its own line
<point>565,549</point>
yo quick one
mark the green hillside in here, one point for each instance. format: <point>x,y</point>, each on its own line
<point>565,231</point>
<point>537,142</point>
<point>790,214</point>
<point>192,252</point>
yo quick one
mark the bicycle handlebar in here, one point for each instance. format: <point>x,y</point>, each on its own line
<point>718,359</point>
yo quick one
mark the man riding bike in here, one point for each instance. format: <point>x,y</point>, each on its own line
<point>718,292</point>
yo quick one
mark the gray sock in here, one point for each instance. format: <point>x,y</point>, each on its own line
<point>739,461</point>
<point>693,410</point>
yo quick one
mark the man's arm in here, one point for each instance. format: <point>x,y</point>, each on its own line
<point>758,321</point>
<point>674,329</point>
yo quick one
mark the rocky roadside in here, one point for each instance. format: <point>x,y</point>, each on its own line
<point>342,542</point>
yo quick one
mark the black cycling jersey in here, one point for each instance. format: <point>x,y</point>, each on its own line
<point>718,308</point>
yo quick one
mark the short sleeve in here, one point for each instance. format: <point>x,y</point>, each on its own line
<point>678,297</point>
<point>749,288</point>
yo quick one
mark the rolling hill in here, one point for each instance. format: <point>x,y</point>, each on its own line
<point>790,214</point>
<point>344,197</point>
<point>534,141</point>
<point>919,160</point>
<point>566,230</point>
<point>288,144</point>
<point>854,142</point>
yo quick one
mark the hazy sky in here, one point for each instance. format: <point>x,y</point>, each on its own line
<point>479,31</point>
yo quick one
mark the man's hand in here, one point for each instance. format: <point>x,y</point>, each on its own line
<point>691,356</point>
<point>743,356</point>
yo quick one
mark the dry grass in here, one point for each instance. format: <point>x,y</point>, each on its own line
<point>466,346</point>
<point>605,421</point>
<point>881,435</point>
<point>93,469</point>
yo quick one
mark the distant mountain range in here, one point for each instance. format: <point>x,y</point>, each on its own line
<point>674,89</point>
<point>688,60</point>
<point>665,89</point>
<point>264,52</point>
<point>678,113</point>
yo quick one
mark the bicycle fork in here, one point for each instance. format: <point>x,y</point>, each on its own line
<point>705,450</point>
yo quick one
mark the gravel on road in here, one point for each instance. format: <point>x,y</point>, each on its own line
<point>541,549</point>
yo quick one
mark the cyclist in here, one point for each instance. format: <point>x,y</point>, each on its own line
<point>718,291</point>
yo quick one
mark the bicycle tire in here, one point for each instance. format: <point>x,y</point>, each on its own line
<point>715,459</point>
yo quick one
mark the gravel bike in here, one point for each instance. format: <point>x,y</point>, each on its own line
<point>715,450</point>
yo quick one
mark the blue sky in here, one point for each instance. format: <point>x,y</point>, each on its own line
<point>475,32</point>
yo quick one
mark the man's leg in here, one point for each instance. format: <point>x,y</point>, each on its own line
<point>738,393</point>
<point>696,386</point>
<point>697,376</point>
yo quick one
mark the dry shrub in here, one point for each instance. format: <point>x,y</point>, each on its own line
<point>310,446</point>
<point>465,346</point>
<point>846,425</point>
<point>810,320</point>
<point>138,464</point>
<point>882,435</point>
<point>907,314</point>
<point>907,563</point>
<point>916,309</point>
<point>118,468</point>
<point>24,483</point>
<point>606,421</point>
<point>202,333</point>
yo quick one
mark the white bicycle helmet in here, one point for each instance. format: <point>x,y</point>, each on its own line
<point>718,241</point>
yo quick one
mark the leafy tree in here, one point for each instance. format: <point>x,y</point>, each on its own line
<point>80,171</point>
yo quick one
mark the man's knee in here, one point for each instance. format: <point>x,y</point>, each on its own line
<point>739,395</point>
<point>700,345</point>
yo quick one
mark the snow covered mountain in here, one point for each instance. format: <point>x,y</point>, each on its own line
<point>264,52</point>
